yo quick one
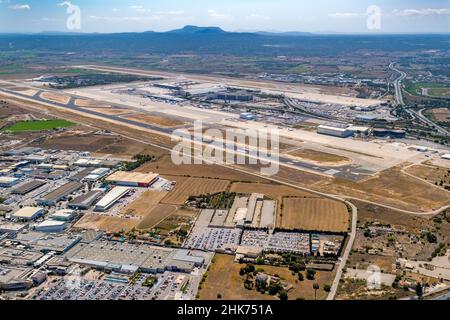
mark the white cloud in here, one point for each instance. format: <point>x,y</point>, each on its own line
<point>255,16</point>
<point>344,15</point>
<point>173,12</point>
<point>421,12</point>
<point>20,7</point>
<point>217,15</point>
<point>139,9</point>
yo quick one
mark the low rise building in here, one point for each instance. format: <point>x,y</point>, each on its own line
<point>28,213</point>
<point>111,198</point>
<point>132,179</point>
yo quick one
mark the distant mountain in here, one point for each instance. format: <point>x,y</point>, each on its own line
<point>61,33</point>
<point>198,30</point>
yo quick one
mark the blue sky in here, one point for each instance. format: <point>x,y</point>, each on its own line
<point>344,16</point>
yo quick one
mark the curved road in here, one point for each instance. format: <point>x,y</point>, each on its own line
<point>415,115</point>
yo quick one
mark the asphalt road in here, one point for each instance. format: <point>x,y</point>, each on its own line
<point>412,113</point>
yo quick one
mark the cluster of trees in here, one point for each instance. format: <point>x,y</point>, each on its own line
<point>140,159</point>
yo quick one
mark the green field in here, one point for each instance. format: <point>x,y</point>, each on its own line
<point>439,92</point>
<point>38,125</point>
<point>434,89</point>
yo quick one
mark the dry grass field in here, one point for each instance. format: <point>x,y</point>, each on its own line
<point>156,215</point>
<point>313,214</point>
<point>432,174</point>
<point>165,167</point>
<point>223,278</point>
<point>156,120</point>
<point>193,187</point>
<point>320,157</point>
<point>274,191</point>
<point>106,223</point>
<point>86,103</point>
<point>441,114</point>
<point>394,188</point>
<point>144,204</point>
<point>110,111</point>
<point>55,97</point>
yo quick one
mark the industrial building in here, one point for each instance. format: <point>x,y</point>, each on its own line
<point>129,258</point>
<point>27,187</point>
<point>28,213</point>
<point>85,201</point>
<point>63,215</point>
<point>7,182</point>
<point>359,130</point>
<point>132,179</point>
<point>97,163</point>
<point>51,226</point>
<point>111,198</point>
<point>59,194</point>
<point>335,130</point>
<point>384,133</point>
<point>247,116</point>
<point>234,96</point>
<point>96,174</point>
<point>79,176</point>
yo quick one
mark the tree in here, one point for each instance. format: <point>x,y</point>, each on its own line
<point>419,290</point>
<point>301,277</point>
<point>315,287</point>
<point>283,295</point>
<point>310,274</point>
<point>327,288</point>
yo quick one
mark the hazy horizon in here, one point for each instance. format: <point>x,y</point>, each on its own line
<point>321,16</point>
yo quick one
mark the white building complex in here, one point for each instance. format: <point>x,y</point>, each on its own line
<point>111,198</point>
<point>335,130</point>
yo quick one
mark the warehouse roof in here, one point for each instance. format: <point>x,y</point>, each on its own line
<point>135,177</point>
<point>62,191</point>
<point>27,212</point>
<point>28,187</point>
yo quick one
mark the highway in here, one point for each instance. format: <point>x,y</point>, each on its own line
<point>415,115</point>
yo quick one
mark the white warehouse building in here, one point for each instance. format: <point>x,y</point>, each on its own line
<point>336,131</point>
<point>111,198</point>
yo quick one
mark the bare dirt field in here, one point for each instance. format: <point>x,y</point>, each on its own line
<point>156,120</point>
<point>110,111</point>
<point>89,103</point>
<point>319,157</point>
<point>26,91</point>
<point>274,191</point>
<point>55,97</point>
<point>369,213</point>
<point>193,187</point>
<point>106,223</point>
<point>223,278</point>
<point>441,114</point>
<point>436,175</point>
<point>165,166</point>
<point>313,215</point>
<point>178,218</point>
<point>156,215</point>
<point>395,188</point>
<point>144,204</point>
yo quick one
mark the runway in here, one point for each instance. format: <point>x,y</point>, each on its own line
<point>348,172</point>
